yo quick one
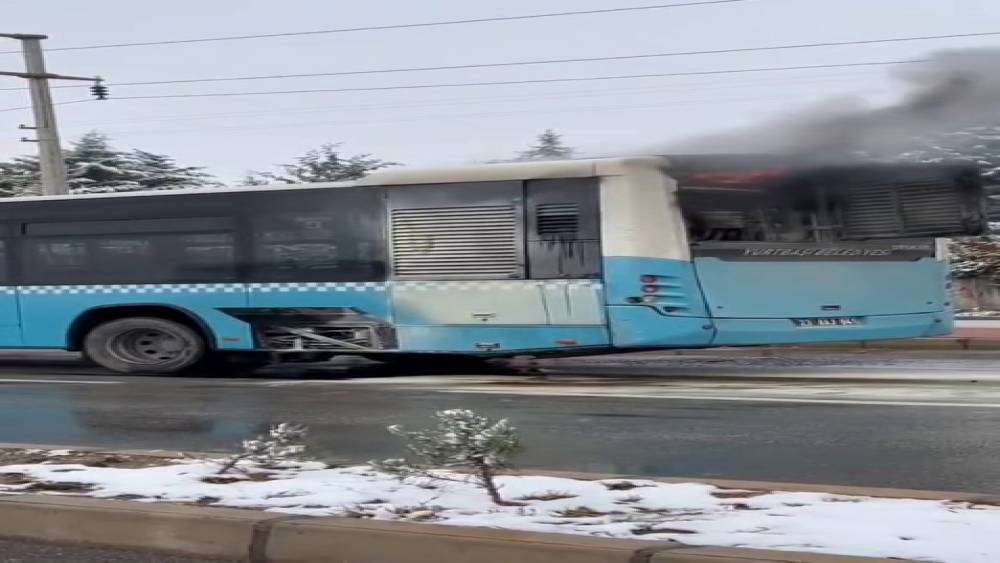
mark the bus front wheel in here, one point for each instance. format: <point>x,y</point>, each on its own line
<point>147,345</point>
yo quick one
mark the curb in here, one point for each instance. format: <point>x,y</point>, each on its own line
<point>269,537</point>
<point>262,537</point>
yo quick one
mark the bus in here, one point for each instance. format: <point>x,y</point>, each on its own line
<point>568,257</point>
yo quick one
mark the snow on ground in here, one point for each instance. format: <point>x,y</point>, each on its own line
<point>975,313</point>
<point>692,513</point>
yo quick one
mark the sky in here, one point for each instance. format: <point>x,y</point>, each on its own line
<point>457,125</point>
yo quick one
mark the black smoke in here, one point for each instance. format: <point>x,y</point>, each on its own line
<point>945,92</point>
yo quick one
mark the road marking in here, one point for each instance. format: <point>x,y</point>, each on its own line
<point>600,395</point>
<point>63,381</point>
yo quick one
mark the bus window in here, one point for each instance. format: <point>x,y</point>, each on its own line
<point>90,252</point>
<point>563,228</point>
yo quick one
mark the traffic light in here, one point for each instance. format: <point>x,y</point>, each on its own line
<point>99,90</point>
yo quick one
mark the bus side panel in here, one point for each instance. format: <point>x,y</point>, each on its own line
<point>10,318</point>
<point>49,311</point>
<point>773,289</point>
<point>760,302</point>
<point>499,339</point>
<point>498,316</point>
<point>744,332</point>
<point>678,316</point>
<point>638,326</point>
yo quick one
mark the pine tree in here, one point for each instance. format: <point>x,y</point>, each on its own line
<point>324,164</point>
<point>20,176</point>
<point>93,166</point>
<point>160,172</point>
<point>548,146</point>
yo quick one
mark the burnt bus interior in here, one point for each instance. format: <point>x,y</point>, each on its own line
<point>823,204</point>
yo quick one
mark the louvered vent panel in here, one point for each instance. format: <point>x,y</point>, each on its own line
<point>558,218</point>
<point>455,242</point>
<point>871,211</point>
<point>915,209</point>
<point>930,209</point>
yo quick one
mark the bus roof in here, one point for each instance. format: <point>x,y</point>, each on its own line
<point>472,173</point>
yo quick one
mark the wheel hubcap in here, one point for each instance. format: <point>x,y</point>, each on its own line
<point>147,346</point>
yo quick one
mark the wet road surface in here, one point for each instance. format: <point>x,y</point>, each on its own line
<point>842,419</point>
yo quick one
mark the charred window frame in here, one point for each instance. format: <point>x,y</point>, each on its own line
<point>845,203</point>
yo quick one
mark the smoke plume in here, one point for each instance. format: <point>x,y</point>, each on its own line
<point>947,91</point>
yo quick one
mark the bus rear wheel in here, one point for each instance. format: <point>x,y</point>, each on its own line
<point>146,345</point>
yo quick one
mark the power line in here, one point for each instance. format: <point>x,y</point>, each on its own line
<point>55,104</point>
<point>437,101</point>
<point>514,82</point>
<point>436,117</point>
<point>552,61</point>
<point>394,26</point>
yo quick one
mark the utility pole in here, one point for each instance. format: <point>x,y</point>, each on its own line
<point>46,133</point>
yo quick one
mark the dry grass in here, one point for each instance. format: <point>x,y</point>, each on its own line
<point>622,485</point>
<point>58,486</point>
<point>548,495</point>
<point>735,493</point>
<point>14,479</point>
<point>579,512</point>
<point>647,529</point>
<point>18,456</point>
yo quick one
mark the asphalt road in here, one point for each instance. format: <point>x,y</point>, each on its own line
<point>848,418</point>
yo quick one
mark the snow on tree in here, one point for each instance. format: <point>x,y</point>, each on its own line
<point>548,146</point>
<point>94,166</point>
<point>975,257</point>
<point>20,176</point>
<point>283,443</point>
<point>461,440</point>
<point>161,172</point>
<point>325,164</point>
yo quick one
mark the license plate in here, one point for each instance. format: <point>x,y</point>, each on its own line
<point>815,322</point>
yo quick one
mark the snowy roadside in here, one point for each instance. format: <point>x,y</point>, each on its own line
<point>692,513</point>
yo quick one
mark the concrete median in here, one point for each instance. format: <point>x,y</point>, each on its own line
<point>268,537</point>
<point>262,537</point>
<point>223,533</point>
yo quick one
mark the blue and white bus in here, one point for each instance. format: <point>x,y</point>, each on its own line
<point>569,257</point>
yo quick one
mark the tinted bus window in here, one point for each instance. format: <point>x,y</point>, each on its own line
<point>147,256</point>
<point>318,235</point>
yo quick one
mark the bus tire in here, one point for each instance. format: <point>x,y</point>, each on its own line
<point>146,345</point>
